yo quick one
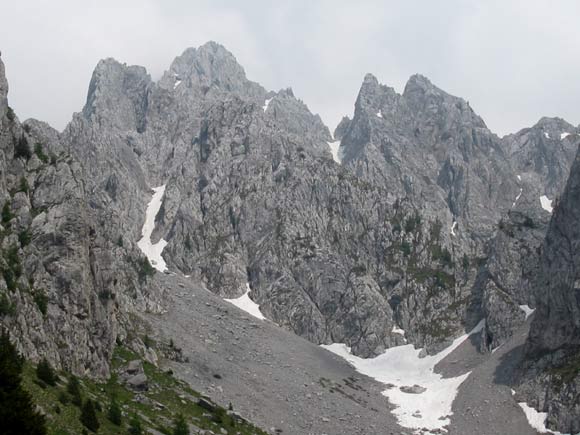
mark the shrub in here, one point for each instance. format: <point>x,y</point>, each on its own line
<point>74,389</point>
<point>465,262</point>
<point>135,427</point>
<point>24,237</point>
<point>120,242</point>
<point>22,149</point>
<point>114,414</point>
<point>144,269</point>
<point>6,307</point>
<point>406,248</point>
<point>41,301</point>
<point>40,153</point>
<point>89,417</point>
<point>45,373</point>
<point>7,213</point>
<point>180,426</point>
<point>10,114</point>
<point>24,185</point>
<point>187,243</point>
<point>63,398</point>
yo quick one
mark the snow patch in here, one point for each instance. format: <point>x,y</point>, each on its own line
<point>519,177</point>
<point>537,419</point>
<point>453,228</point>
<point>153,250</point>
<point>177,83</point>
<point>402,366</point>
<point>546,203</point>
<point>336,151</point>
<point>547,135</point>
<point>379,114</point>
<point>564,135</point>
<point>517,197</point>
<point>245,303</point>
<point>266,104</point>
<point>526,309</point>
<point>399,331</point>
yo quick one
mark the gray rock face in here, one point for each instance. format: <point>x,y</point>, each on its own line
<point>3,90</point>
<point>550,371</point>
<point>69,280</point>
<point>541,157</point>
<point>403,235</point>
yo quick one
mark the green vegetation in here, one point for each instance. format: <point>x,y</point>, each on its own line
<point>7,213</point>
<point>567,372</point>
<point>10,114</point>
<point>143,268</point>
<point>135,427</point>
<point>12,270</point>
<point>41,301</point>
<point>24,185</point>
<point>7,308</point>
<point>115,409</point>
<point>412,223</point>
<point>24,237</point>
<point>45,373</point>
<point>89,416</point>
<point>180,426</point>
<point>17,411</point>
<point>115,415</point>
<point>40,153</point>
<point>187,243</point>
<point>22,149</point>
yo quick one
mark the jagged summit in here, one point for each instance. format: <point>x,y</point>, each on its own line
<point>3,89</point>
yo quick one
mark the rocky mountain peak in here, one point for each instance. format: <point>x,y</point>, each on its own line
<point>420,82</point>
<point>3,90</point>
<point>117,94</point>
<point>212,66</point>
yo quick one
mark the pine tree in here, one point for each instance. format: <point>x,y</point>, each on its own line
<point>45,373</point>
<point>89,416</point>
<point>17,412</point>
<point>114,415</point>
<point>74,390</point>
<point>135,427</point>
<point>180,426</point>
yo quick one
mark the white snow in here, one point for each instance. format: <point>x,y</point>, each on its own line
<point>526,309</point>
<point>537,419</point>
<point>402,366</point>
<point>177,83</point>
<point>517,197</point>
<point>335,150</point>
<point>453,228</point>
<point>547,135</point>
<point>546,203</point>
<point>153,251</point>
<point>519,177</point>
<point>379,114</point>
<point>245,303</point>
<point>399,331</point>
<point>564,135</point>
<point>266,104</point>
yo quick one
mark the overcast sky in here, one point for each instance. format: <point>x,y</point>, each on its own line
<point>514,61</point>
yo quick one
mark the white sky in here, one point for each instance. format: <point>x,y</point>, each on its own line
<point>514,61</point>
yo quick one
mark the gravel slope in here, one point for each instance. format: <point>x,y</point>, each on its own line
<point>484,404</point>
<point>275,378</point>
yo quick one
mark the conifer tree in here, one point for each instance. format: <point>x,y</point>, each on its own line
<point>17,411</point>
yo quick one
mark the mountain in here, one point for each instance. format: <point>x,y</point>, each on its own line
<point>550,370</point>
<point>419,226</point>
